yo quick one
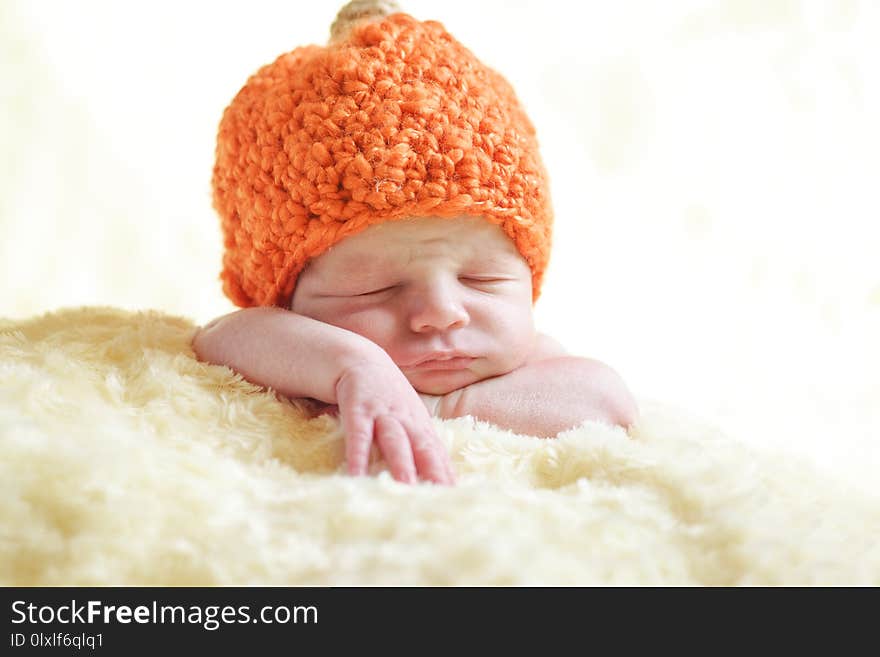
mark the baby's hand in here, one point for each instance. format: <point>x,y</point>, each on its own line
<point>376,402</point>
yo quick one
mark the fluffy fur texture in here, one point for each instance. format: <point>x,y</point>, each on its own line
<point>126,461</point>
<point>397,120</point>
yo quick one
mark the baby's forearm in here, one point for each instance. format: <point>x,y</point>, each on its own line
<point>295,355</point>
<point>546,397</point>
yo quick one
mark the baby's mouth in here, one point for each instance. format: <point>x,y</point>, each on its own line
<point>454,363</point>
<point>442,360</point>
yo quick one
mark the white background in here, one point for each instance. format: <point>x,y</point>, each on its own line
<point>714,170</point>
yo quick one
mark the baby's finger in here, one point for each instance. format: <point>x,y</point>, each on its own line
<point>431,458</point>
<point>358,430</point>
<point>393,442</point>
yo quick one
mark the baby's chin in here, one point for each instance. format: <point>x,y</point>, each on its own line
<point>442,382</point>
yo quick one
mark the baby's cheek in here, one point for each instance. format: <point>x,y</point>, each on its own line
<point>512,333</point>
<point>374,324</point>
<point>516,352</point>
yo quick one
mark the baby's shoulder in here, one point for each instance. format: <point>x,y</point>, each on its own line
<point>551,360</point>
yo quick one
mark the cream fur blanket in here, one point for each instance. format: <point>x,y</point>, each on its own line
<point>126,461</point>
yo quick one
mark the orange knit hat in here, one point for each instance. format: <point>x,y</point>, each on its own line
<point>393,119</point>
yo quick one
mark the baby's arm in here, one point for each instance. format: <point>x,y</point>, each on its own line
<point>544,397</point>
<point>302,357</point>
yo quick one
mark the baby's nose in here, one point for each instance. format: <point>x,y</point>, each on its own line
<point>437,309</point>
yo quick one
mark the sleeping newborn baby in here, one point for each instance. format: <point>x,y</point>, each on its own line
<point>441,307</point>
<point>387,226</point>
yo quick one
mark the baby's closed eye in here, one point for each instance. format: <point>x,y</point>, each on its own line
<point>483,278</point>
<point>363,289</point>
<point>376,291</point>
<point>485,282</point>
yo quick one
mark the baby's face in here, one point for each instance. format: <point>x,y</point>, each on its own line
<point>450,300</point>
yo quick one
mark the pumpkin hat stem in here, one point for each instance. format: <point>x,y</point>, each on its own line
<point>360,11</point>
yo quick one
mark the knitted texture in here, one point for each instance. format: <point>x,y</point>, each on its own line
<point>397,120</point>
